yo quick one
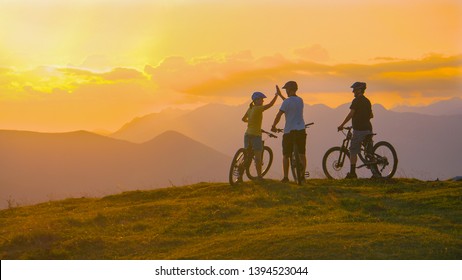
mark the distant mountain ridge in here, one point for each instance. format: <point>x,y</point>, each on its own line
<point>184,147</point>
<point>42,166</point>
<point>194,123</point>
<point>451,106</point>
<point>428,146</point>
<point>137,128</point>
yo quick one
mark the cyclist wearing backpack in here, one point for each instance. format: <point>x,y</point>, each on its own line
<point>254,117</point>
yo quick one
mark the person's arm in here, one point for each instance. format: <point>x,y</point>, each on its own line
<point>278,92</point>
<point>276,120</point>
<point>245,118</point>
<point>347,119</point>
<point>269,105</point>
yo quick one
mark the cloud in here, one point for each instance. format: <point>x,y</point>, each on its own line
<point>61,99</point>
<point>433,74</point>
<point>237,74</point>
<point>123,74</point>
<point>97,62</point>
<point>78,98</point>
<point>179,74</point>
<point>386,58</point>
<point>313,53</point>
<point>115,74</point>
<point>47,79</point>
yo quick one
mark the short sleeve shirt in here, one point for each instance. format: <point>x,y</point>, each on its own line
<point>293,111</point>
<point>363,111</point>
<point>255,118</point>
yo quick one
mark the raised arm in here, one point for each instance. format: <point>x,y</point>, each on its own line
<point>269,105</point>
<point>278,92</point>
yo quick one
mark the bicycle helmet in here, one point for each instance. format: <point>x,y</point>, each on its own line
<point>359,85</point>
<point>257,95</point>
<point>291,85</point>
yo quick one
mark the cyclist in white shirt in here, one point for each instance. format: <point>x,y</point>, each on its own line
<point>294,129</point>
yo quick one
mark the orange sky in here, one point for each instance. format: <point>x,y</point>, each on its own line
<point>67,65</point>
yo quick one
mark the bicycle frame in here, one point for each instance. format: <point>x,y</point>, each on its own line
<point>345,144</point>
<point>380,158</point>
<point>242,162</point>
<point>365,155</point>
<point>249,155</point>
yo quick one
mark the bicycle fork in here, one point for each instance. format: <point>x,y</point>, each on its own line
<point>342,154</point>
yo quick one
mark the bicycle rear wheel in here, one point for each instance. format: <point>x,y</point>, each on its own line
<point>336,163</point>
<point>236,171</point>
<point>266,161</point>
<point>387,159</point>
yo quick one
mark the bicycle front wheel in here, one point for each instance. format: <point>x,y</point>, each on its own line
<point>296,166</point>
<point>336,163</point>
<point>237,167</point>
<point>266,161</point>
<point>387,159</point>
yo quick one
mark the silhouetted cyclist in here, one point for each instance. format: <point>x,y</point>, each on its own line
<point>292,108</point>
<point>254,117</point>
<point>361,115</point>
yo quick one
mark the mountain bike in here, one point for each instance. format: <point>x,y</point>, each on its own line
<point>296,166</point>
<point>380,158</point>
<point>243,159</point>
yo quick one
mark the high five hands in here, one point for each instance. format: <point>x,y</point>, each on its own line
<point>278,92</point>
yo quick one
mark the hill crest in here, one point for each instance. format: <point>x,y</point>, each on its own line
<point>325,219</point>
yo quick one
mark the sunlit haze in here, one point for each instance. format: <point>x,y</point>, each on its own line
<point>68,65</point>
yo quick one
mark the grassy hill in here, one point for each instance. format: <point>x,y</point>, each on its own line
<point>359,219</point>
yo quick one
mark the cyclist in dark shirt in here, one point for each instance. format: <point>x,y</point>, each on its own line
<point>361,115</point>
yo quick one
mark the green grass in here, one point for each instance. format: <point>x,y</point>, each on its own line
<point>325,219</point>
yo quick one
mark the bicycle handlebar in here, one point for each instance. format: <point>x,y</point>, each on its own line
<point>347,128</point>
<point>279,130</point>
<point>269,134</point>
<point>309,124</point>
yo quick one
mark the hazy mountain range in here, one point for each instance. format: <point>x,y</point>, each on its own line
<point>428,146</point>
<point>177,147</point>
<point>442,108</point>
<point>42,166</point>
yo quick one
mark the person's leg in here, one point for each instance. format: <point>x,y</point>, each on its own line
<point>285,166</point>
<point>286,152</point>
<point>301,144</point>
<point>353,160</point>
<point>258,151</point>
<point>258,155</point>
<point>355,149</point>
<point>247,140</point>
<point>303,162</point>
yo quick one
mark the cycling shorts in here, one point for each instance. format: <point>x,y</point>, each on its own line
<point>357,140</point>
<point>254,140</point>
<point>288,139</point>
